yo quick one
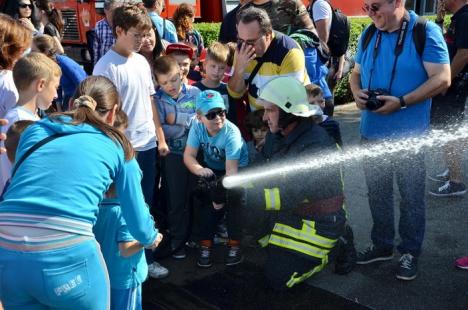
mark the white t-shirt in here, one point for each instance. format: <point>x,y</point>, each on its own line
<point>13,115</point>
<point>132,77</point>
<point>321,9</point>
<point>8,92</point>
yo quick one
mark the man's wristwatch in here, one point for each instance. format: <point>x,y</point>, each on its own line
<point>402,102</point>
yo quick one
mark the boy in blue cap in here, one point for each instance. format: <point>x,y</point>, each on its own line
<point>224,152</point>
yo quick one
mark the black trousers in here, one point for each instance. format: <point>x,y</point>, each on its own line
<point>178,183</point>
<point>206,217</point>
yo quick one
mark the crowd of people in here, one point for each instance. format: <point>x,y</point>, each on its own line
<point>97,169</point>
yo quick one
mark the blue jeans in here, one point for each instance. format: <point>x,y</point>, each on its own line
<point>71,277</point>
<point>410,174</point>
<point>147,162</point>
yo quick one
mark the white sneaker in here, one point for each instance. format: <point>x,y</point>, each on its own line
<point>441,177</point>
<point>156,271</point>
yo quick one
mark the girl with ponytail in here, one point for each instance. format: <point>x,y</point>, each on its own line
<point>65,164</point>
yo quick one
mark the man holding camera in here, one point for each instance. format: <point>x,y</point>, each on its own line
<point>392,84</point>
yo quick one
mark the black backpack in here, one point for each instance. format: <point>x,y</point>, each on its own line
<point>340,30</point>
<point>419,35</point>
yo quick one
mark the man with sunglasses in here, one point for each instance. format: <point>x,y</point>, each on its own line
<point>401,82</point>
<point>262,54</point>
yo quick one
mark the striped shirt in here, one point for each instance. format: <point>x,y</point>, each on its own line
<point>282,58</point>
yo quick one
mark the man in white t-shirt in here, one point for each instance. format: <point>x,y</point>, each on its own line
<point>321,14</point>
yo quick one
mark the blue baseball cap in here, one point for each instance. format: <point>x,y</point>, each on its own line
<point>208,100</point>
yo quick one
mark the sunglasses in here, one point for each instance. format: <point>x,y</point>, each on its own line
<point>247,42</point>
<point>24,5</point>
<point>374,8</point>
<point>212,115</point>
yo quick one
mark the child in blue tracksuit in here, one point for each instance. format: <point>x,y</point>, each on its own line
<point>124,256</point>
<point>176,104</point>
<point>49,257</point>
<point>224,152</point>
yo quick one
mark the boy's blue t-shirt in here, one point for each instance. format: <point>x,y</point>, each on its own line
<point>409,75</point>
<point>111,229</point>
<point>72,75</point>
<point>226,145</point>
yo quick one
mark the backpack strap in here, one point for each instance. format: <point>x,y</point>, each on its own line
<point>35,147</point>
<point>367,36</point>
<point>419,35</point>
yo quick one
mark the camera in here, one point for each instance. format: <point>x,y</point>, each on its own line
<point>373,103</point>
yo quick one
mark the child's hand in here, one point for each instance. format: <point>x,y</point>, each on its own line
<point>163,149</point>
<point>218,206</point>
<point>260,144</point>
<point>205,172</point>
<point>170,118</point>
<point>156,242</point>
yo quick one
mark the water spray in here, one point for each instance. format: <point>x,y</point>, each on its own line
<point>435,138</point>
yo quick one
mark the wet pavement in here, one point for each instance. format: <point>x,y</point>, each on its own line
<point>439,284</point>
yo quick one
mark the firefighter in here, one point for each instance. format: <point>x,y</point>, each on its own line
<point>303,215</point>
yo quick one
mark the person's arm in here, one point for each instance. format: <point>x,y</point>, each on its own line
<point>303,20</point>
<point>232,166</point>
<point>96,44</point>
<point>242,57</point>
<point>139,221</point>
<point>459,61</point>
<point>59,46</point>
<point>323,29</point>
<point>127,249</point>
<point>3,122</point>
<point>190,161</point>
<point>162,145</point>
<point>360,95</point>
<point>322,16</point>
<point>339,71</point>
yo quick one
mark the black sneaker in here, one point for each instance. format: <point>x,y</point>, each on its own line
<point>373,254</point>
<point>449,189</point>
<point>346,257</point>
<point>441,177</point>
<point>234,256</point>
<point>179,253</point>
<point>407,267</point>
<point>204,259</point>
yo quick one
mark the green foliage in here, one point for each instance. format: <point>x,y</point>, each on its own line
<point>342,92</point>
<point>209,32</point>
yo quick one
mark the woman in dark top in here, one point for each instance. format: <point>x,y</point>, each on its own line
<point>53,22</point>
